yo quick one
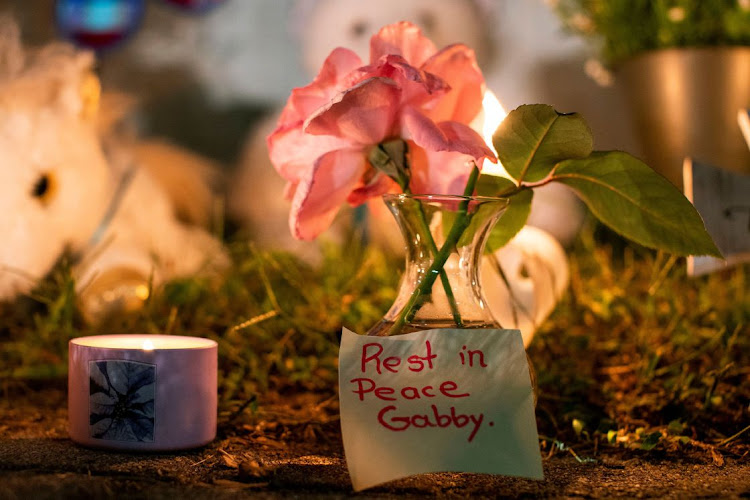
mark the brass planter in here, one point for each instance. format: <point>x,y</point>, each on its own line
<point>685,102</point>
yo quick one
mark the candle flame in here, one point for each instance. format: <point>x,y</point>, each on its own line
<point>494,114</point>
<point>148,345</point>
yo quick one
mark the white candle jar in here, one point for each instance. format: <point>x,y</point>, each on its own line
<point>142,392</point>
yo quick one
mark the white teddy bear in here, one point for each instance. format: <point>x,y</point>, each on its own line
<point>62,189</point>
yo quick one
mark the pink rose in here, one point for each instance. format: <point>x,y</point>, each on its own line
<point>410,91</point>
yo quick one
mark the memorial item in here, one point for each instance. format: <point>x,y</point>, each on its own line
<point>398,127</point>
<point>74,188</point>
<point>400,124</point>
<point>535,265</point>
<point>722,198</point>
<point>437,400</point>
<point>99,25</point>
<point>142,392</point>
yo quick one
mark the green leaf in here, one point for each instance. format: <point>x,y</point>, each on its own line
<point>511,221</point>
<point>611,436</point>
<point>650,441</point>
<point>625,194</point>
<point>675,427</point>
<point>493,185</point>
<point>489,186</point>
<point>534,138</point>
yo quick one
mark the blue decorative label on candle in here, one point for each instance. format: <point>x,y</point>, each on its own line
<point>121,400</point>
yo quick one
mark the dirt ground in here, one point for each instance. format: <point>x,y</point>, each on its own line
<point>291,446</point>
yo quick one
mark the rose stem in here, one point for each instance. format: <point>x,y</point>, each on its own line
<point>459,226</point>
<point>443,275</point>
<point>382,154</point>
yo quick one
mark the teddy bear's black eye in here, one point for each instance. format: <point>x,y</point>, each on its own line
<point>359,29</point>
<point>43,188</point>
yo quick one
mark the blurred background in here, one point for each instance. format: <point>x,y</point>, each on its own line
<point>661,79</point>
<point>205,72</point>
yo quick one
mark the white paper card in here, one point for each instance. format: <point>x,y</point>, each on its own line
<point>437,401</point>
<point>722,198</point>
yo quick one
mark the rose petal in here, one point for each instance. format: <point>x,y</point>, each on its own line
<point>457,66</point>
<point>418,87</point>
<point>364,114</point>
<point>380,185</point>
<point>439,172</point>
<point>292,151</point>
<point>322,191</point>
<point>444,136</point>
<point>331,79</point>
<point>404,39</point>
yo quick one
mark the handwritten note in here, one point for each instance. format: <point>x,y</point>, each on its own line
<point>437,400</point>
<point>723,200</point>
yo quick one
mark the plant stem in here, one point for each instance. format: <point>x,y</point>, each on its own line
<point>443,275</point>
<point>471,183</point>
<point>462,221</point>
<point>391,159</point>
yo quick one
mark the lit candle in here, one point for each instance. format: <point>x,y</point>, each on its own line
<point>142,392</point>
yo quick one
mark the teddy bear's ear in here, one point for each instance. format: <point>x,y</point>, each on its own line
<point>90,92</point>
<point>68,73</point>
<point>81,91</point>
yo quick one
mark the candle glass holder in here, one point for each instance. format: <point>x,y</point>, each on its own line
<point>142,392</point>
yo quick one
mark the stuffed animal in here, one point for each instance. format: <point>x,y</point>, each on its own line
<point>63,187</point>
<point>534,262</point>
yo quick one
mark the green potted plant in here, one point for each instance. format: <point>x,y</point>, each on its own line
<point>684,66</point>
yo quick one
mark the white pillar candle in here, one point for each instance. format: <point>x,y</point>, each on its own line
<point>142,392</point>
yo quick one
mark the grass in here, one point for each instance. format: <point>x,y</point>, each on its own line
<point>636,356</point>
<point>641,356</point>
<point>276,318</point>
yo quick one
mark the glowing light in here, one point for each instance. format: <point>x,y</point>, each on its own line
<point>494,114</point>
<point>147,342</point>
<point>142,292</point>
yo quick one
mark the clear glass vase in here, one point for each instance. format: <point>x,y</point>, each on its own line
<point>445,238</point>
